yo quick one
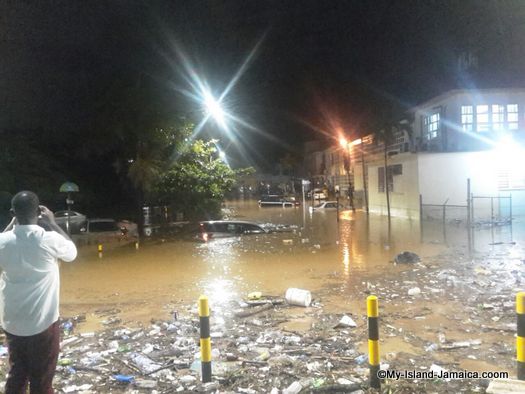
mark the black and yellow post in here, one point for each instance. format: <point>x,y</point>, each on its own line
<point>204,316</point>
<point>100,250</point>
<point>372,310</point>
<point>520,339</point>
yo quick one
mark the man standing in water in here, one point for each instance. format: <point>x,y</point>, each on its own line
<point>29,293</point>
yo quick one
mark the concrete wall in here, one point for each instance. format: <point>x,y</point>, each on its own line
<point>404,199</point>
<point>444,176</point>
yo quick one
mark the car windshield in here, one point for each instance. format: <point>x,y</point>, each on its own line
<point>102,226</point>
<point>61,214</point>
<point>271,198</point>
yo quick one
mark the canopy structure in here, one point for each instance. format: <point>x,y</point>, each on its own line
<point>69,187</point>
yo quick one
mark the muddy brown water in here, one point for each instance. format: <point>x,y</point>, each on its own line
<point>320,253</point>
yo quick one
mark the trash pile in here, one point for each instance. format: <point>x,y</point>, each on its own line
<point>253,351</point>
<point>250,354</point>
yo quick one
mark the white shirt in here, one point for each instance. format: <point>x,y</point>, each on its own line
<point>30,281</point>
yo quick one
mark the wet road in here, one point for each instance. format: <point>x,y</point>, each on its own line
<point>321,254</point>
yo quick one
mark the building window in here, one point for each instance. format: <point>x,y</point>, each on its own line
<point>482,118</point>
<point>498,117</point>
<point>512,116</point>
<point>467,118</point>
<point>381,179</point>
<point>431,123</point>
<point>396,169</point>
<point>511,178</point>
<point>494,117</point>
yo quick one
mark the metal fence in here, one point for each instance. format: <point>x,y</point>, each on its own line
<point>491,210</point>
<point>445,213</point>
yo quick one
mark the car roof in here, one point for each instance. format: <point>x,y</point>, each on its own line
<point>101,220</point>
<point>229,221</point>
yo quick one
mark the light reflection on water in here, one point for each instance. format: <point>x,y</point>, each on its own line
<point>319,252</point>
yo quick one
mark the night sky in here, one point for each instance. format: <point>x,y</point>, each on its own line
<point>321,66</point>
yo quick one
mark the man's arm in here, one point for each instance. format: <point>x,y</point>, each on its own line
<point>65,248</point>
<point>48,218</point>
<point>11,225</point>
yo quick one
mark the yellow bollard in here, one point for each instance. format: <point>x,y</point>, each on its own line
<point>136,245</point>
<point>100,249</point>
<point>372,309</point>
<point>204,317</point>
<point>520,338</point>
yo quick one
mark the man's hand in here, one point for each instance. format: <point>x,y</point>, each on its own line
<point>46,215</point>
<point>48,218</point>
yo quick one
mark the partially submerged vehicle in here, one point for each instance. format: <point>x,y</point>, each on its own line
<point>275,200</point>
<point>227,228</point>
<point>327,206</point>
<point>102,231</point>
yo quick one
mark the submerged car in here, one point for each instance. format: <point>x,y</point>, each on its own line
<point>103,230</point>
<point>74,220</point>
<point>227,228</point>
<point>318,194</point>
<point>277,201</point>
<point>327,206</point>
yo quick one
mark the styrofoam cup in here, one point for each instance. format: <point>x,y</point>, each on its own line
<point>298,297</point>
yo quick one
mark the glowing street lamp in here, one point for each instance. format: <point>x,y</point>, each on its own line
<point>347,145</point>
<point>214,108</point>
<point>343,142</point>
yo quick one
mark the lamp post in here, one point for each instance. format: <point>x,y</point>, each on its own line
<point>346,145</point>
<point>359,142</point>
<point>69,187</point>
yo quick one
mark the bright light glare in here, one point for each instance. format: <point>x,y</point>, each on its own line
<point>357,141</point>
<point>509,152</point>
<point>343,142</point>
<point>214,108</point>
<point>222,155</point>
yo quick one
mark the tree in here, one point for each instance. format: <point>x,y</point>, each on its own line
<point>155,154</point>
<point>197,180</point>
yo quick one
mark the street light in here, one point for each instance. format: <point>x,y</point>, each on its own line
<point>69,187</point>
<point>214,108</point>
<point>346,145</point>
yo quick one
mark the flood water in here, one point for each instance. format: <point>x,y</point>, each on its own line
<point>321,254</point>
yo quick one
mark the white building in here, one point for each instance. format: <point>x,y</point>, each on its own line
<point>457,136</point>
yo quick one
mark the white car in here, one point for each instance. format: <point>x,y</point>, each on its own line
<point>318,194</point>
<point>103,230</point>
<point>326,206</point>
<point>77,221</point>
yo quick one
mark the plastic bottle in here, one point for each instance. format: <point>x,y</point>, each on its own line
<point>294,388</point>
<point>67,326</point>
<point>124,378</point>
